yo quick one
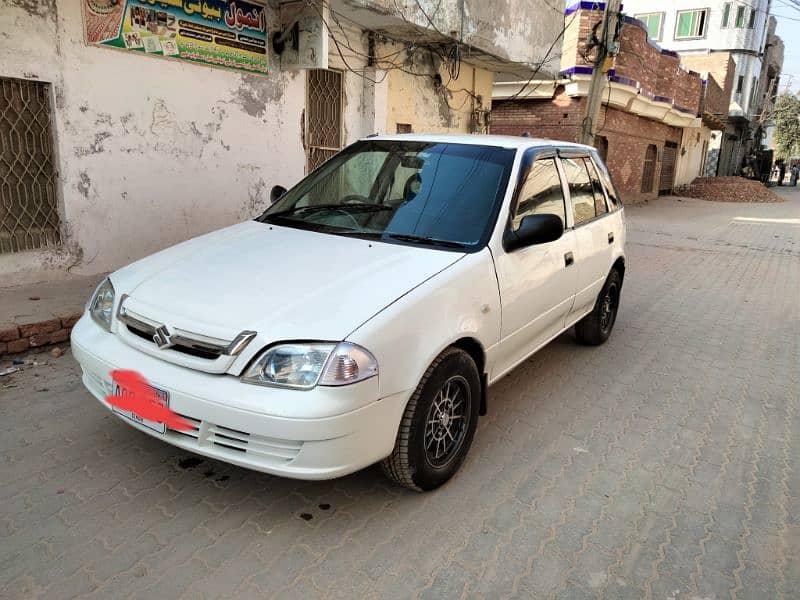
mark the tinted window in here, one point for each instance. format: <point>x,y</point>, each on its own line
<point>613,198</point>
<point>580,189</point>
<point>541,192</point>
<point>393,190</point>
<point>600,207</point>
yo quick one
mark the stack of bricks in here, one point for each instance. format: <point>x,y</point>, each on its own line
<point>20,338</point>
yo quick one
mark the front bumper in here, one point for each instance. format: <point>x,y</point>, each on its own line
<point>333,431</point>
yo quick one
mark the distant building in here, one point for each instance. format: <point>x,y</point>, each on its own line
<point>706,35</point>
<point>655,123</point>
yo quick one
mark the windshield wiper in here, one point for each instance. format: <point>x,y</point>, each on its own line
<point>331,207</point>
<point>419,239</point>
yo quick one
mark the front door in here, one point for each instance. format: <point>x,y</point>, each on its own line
<point>667,178</point>
<point>537,283</point>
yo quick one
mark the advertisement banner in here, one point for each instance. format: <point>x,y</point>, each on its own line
<point>223,33</point>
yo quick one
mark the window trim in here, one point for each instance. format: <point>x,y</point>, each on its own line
<point>725,21</point>
<point>529,157</point>
<point>692,37</point>
<point>576,153</point>
<point>740,12</point>
<point>660,23</point>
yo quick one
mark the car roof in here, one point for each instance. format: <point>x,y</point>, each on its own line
<point>474,139</point>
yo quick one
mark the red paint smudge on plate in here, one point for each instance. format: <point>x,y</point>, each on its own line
<point>141,398</point>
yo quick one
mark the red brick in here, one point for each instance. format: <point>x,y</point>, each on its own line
<point>40,328</point>
<point>62,335</point>
<point>40,339</point>
<point>9,335</point>
<point>18,345</point>
<point>69,322</point>
<point>3,348</point>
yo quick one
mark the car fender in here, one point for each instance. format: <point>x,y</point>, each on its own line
<point>463,301</point>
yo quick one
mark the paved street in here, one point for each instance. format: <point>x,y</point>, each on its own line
<point>665,464</point>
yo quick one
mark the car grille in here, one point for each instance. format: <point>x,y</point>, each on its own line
<point>145,331</point>
<point>240,442</point>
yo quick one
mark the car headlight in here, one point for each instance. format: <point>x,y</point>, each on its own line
<point>101,305</point>
<point>305,365</point>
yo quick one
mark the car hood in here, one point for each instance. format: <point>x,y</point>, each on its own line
<point>284,283</point>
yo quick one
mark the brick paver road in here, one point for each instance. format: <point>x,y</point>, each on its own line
<point>665,464</point>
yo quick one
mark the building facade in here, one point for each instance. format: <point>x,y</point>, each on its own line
<point>651,128</point>
<point>108,154</point>
<point>706,35</point>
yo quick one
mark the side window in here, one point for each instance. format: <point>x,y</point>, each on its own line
<point>580,189</point>
<point>600,207</point>
<point>613,198</point>
<point>541,193</point>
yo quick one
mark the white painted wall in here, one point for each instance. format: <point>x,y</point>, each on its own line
<point>716,38</point>
<point>150,151</point>
<point>691,157</point>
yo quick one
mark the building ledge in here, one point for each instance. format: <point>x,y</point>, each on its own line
<point>619,92</point>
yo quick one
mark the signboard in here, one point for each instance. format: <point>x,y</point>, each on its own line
<point>223,33</point>
<point>305,34</point>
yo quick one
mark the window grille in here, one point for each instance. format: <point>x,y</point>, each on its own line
<point>28,207</point>
<point>323,116</point>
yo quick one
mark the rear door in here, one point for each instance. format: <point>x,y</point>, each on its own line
<point>595,232</point>
<point>537,283</point>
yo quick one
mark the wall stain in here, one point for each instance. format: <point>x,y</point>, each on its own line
<point>37,8</point>
<point>84,185</point>
<point>255,92</point>
<point>95,147</point>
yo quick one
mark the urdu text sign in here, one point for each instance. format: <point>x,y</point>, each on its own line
<point>223,33</point>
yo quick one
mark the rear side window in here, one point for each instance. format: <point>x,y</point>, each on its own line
<point>541,192</point>
<point>580,189</point>
<point>613,197</point>
<point>600,207</point>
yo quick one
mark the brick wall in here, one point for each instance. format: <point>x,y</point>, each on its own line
<point>658,72</point>
<point>559,119</point>
<point>720,70</point>
<point>23,337</point>
<point>628,135</point>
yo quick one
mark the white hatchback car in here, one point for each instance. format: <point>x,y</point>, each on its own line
<point>363,316</point>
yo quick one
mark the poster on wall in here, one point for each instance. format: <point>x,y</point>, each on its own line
<point>222,33</point>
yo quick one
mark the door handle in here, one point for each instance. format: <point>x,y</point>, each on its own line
<point>611,237</point>
<point>569,260</point>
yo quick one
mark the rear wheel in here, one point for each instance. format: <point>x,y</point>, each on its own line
<point>595,328</point>
<point>438,424</point>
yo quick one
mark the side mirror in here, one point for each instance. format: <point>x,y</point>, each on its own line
<point>534,229</point>
<point>276,193</point>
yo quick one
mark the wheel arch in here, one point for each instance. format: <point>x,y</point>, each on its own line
<point>619,265</point>
<point>475,349</point>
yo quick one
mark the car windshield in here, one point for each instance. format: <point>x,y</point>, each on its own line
<point>441,195</point>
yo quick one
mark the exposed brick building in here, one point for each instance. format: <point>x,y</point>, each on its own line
<point>650,126</point>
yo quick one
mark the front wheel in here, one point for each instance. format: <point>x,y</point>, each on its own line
<point>438,424</point>
<point>595,328</point>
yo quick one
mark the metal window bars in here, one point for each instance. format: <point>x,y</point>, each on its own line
<point>28,206</point>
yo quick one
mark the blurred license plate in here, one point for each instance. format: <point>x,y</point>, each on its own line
<point>129,414</point>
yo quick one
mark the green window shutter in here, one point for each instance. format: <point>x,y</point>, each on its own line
<point>740,16</point>
<point>654,26</point>
<point>726,14</point>
<point>686,24</point>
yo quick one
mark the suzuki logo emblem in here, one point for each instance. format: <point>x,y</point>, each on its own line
<point>163,338</point>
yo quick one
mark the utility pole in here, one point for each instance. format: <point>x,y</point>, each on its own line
<point>606,50</point>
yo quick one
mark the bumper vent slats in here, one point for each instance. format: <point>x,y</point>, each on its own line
<point>241,442</point>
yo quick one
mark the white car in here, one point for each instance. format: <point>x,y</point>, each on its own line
<point>363,316</point>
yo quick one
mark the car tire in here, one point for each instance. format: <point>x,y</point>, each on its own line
<point>595,328</point>
<point>438,424</point>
